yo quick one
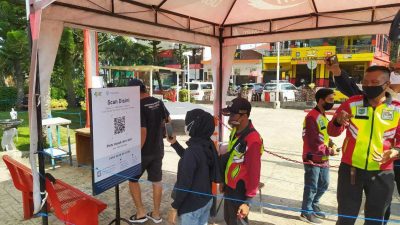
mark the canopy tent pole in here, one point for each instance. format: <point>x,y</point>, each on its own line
<point>40,150</point>
<point>188,77</point>
<point>221,41</point>
<point>38,107</point>
<point>91,61</point>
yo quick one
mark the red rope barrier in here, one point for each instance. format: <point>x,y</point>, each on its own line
<point>282,157</point>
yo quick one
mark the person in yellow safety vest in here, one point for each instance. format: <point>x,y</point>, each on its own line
<point>372,138</point>
<point>350,88</point>
<point>317,147</point>
<point>241,163</point>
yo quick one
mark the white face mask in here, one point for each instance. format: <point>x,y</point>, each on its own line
<point>188,127</point>
<point>394,78</point>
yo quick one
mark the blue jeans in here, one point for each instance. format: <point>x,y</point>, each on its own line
<point>198,217</point>
<point>316,182</point>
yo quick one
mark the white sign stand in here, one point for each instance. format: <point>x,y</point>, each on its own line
<point>115,133</point>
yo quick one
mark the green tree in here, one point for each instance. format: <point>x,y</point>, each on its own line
<point>181,58</point>
<point>67,80</point>
<point>155,51</point>
<point>63,74</point>
<point>122,51</point>
<point>12,16</point>
<point>14,47</point>
<point>14,55</point>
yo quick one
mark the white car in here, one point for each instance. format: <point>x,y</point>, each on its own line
<point>288,91</point>
<point>201,90</point>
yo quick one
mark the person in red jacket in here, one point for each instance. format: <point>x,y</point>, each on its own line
<point>242,162</point>
<point>317,147</point>
<point>372,125</point>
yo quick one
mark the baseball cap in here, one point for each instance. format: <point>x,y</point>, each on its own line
<point>137,82</point>
<point>238,105</point>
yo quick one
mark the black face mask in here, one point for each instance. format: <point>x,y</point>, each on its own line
<point>373,91</point>
<point>328,106</point>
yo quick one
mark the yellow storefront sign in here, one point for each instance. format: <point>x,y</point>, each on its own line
<point>303,55</point>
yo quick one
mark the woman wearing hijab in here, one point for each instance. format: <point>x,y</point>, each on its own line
<point>197,169</point>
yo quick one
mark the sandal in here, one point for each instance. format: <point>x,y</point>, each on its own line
<point>150,216</point>
<point>134,219</point>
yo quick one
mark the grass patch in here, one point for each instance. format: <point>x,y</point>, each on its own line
<point>76,115</point>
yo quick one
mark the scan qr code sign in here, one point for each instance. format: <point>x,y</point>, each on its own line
<point>119,125</point>
<point>115,132</point>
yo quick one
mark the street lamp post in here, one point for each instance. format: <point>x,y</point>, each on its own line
<point>278,66</point>
<point>187,54</point>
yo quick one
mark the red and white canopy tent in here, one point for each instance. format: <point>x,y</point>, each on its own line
<point>220,24</point>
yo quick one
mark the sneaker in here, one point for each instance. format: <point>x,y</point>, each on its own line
<point>318,213</point>
<point>310,218</point>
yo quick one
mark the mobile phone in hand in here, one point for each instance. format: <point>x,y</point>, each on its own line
<point>333,60</point>
<point>169,130</point>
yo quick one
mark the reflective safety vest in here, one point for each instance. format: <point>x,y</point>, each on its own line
<point>370,129</point>
<point>237,148</point>
<point>316,151</point>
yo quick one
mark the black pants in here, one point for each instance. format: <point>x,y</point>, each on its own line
<point>396,170</point>
<point>231,206</point>
<point>378,187</point>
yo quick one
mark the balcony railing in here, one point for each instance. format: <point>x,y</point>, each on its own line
<point>351,49</point>
<point>283,52</point>
<point>355,49</point>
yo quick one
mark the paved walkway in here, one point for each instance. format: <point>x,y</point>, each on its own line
<point>282,194</point>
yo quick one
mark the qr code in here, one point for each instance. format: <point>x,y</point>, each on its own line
<point>119,125</point>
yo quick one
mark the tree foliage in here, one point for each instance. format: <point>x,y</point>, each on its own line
<point>14,50</point>
<point>67,81</point>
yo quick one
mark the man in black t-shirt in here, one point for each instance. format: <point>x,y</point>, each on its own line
<point>153,115</point>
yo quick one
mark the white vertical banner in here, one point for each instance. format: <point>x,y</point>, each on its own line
<point>227,62</point>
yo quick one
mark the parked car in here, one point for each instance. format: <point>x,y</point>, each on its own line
<point>256,88</point>
<point>201,90</point>
<point>287,89</point>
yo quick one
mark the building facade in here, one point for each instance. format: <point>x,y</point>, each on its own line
<point>246,68</point>
<point>303,61</point>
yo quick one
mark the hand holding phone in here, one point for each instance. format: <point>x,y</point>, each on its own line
<point>169,130</point>
<point>332,65</point>
<point>332,60</point>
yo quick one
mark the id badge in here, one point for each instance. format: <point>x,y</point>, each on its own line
<point>387,114</point>
<point>361,112</point>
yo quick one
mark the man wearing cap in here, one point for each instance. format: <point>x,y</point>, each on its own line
<point>349,88</point>
<point>242,162</point>
<point>153,115</point>
<point>317,147</point>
